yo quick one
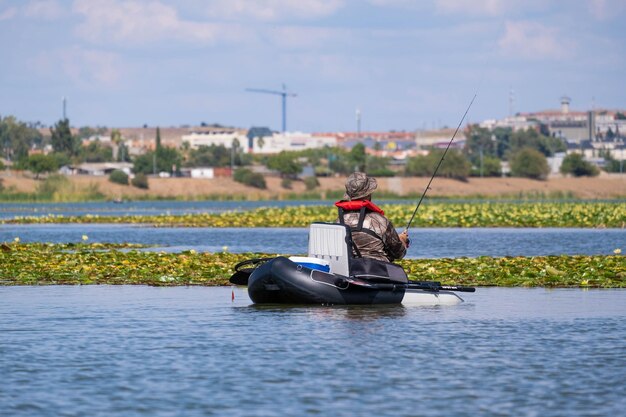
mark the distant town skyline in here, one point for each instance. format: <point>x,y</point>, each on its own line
<point>402,65</point>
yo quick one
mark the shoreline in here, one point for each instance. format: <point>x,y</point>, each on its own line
<point>84,188</point>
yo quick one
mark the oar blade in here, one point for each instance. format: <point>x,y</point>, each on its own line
<point>241,277</point>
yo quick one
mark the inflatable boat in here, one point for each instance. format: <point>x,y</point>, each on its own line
<point>331,275</point>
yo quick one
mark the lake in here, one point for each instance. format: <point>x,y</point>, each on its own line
<point>426,243</point>
<point>169,207</point>
<point>142,208</point>
<point>144,351</point>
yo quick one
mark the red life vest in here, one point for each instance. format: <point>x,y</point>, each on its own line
<point>357,205</point>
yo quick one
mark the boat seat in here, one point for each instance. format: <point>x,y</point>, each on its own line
<point>333,243</point>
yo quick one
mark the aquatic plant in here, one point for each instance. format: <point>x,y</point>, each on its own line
<point>596,214</point>
<point>98,263</point>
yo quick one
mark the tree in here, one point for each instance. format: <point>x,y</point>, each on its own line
<point>210,156</point>
<point>338,162</point>
<point>165,160</point>
<point>123,153</point>
<point>455,165</point>
<point>158,139</point>
<point>503,141</point>
<point>378,167</point>
<point>610,135</point>
<point>140,181</point>
<point>62,139</point>
<point>480,141</point>
<point>529,163</point>
<point>491,167</point>
<point>358,157</point>
<point>612,164</point>
<point>530,138</point>
<point>86,132</point>
<point>122,149</point>
<point>119,177</point>
<point>247,177</point>
<point>17,138</point>
<point>40,163</point>
<point>285,163</point>
<point>575,165</point>
<point>311,183</point>
<point>96,152</point>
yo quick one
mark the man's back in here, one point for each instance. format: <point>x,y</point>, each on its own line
<point>383,244</point>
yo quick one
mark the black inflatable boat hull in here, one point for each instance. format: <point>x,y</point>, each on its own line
<point>282,281</point>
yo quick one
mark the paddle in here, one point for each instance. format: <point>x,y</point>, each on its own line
<point>241,275</point>
<point>435,286</point>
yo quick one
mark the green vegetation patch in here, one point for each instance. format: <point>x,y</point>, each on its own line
<point>596,214</point>
<point>78,264</point>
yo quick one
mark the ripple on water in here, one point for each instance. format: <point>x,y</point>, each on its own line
<point>135,351</point>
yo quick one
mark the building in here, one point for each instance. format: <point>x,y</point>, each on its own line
<point>96,168</point>
<point>514,123</point>
<point>216,137</point>
<point>291,141</point>
<point>206,172</point>
<point>428,139</point>
<point>592,133</point>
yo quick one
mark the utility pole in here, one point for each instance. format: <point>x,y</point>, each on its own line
<point>64,108</point>
<point>358,124</point>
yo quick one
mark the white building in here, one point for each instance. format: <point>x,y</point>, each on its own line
<point>97,169</point>
<point>202,172</point>
<point>514,122</point>
<point>290,141</point>
<point>224,137</point>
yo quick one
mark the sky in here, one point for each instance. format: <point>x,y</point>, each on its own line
<point>404,64</point>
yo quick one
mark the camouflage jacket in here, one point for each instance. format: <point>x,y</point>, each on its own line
<point>380,239</point>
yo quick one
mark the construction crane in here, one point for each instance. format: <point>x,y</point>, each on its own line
<point>284,93</point>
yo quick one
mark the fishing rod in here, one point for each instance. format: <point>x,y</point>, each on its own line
<point>440,162</point>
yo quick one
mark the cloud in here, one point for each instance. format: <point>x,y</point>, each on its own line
<point>531,40</point>
<point>46,9</point>
<point>271,10</point>
<point>82,67</point>
<point>8,14</point>
<point>138,22</point>
<point>486,7</point>
<point>606,9</point>
<point>301,37</point>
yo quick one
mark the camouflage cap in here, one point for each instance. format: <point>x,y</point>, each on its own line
<point>359,185</point>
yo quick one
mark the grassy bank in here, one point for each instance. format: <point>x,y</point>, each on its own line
<point>539,214</point>
<point>82,264</point>
<point>80,188</point>
<point>95,195</point>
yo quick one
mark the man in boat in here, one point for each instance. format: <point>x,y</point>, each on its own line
<point>372,233</point>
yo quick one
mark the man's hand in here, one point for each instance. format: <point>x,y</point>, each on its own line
<point>404,237</point>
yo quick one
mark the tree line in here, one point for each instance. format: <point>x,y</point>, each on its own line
<point>484,150</point>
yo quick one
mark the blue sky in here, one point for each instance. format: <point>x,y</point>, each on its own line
<point>405,64</point>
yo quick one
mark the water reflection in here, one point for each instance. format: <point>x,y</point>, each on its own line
<point>339,313</point>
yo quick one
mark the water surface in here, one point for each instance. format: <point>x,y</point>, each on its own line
<point>142,351</point>
<point>143,208</point>
<point>426,243</point>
